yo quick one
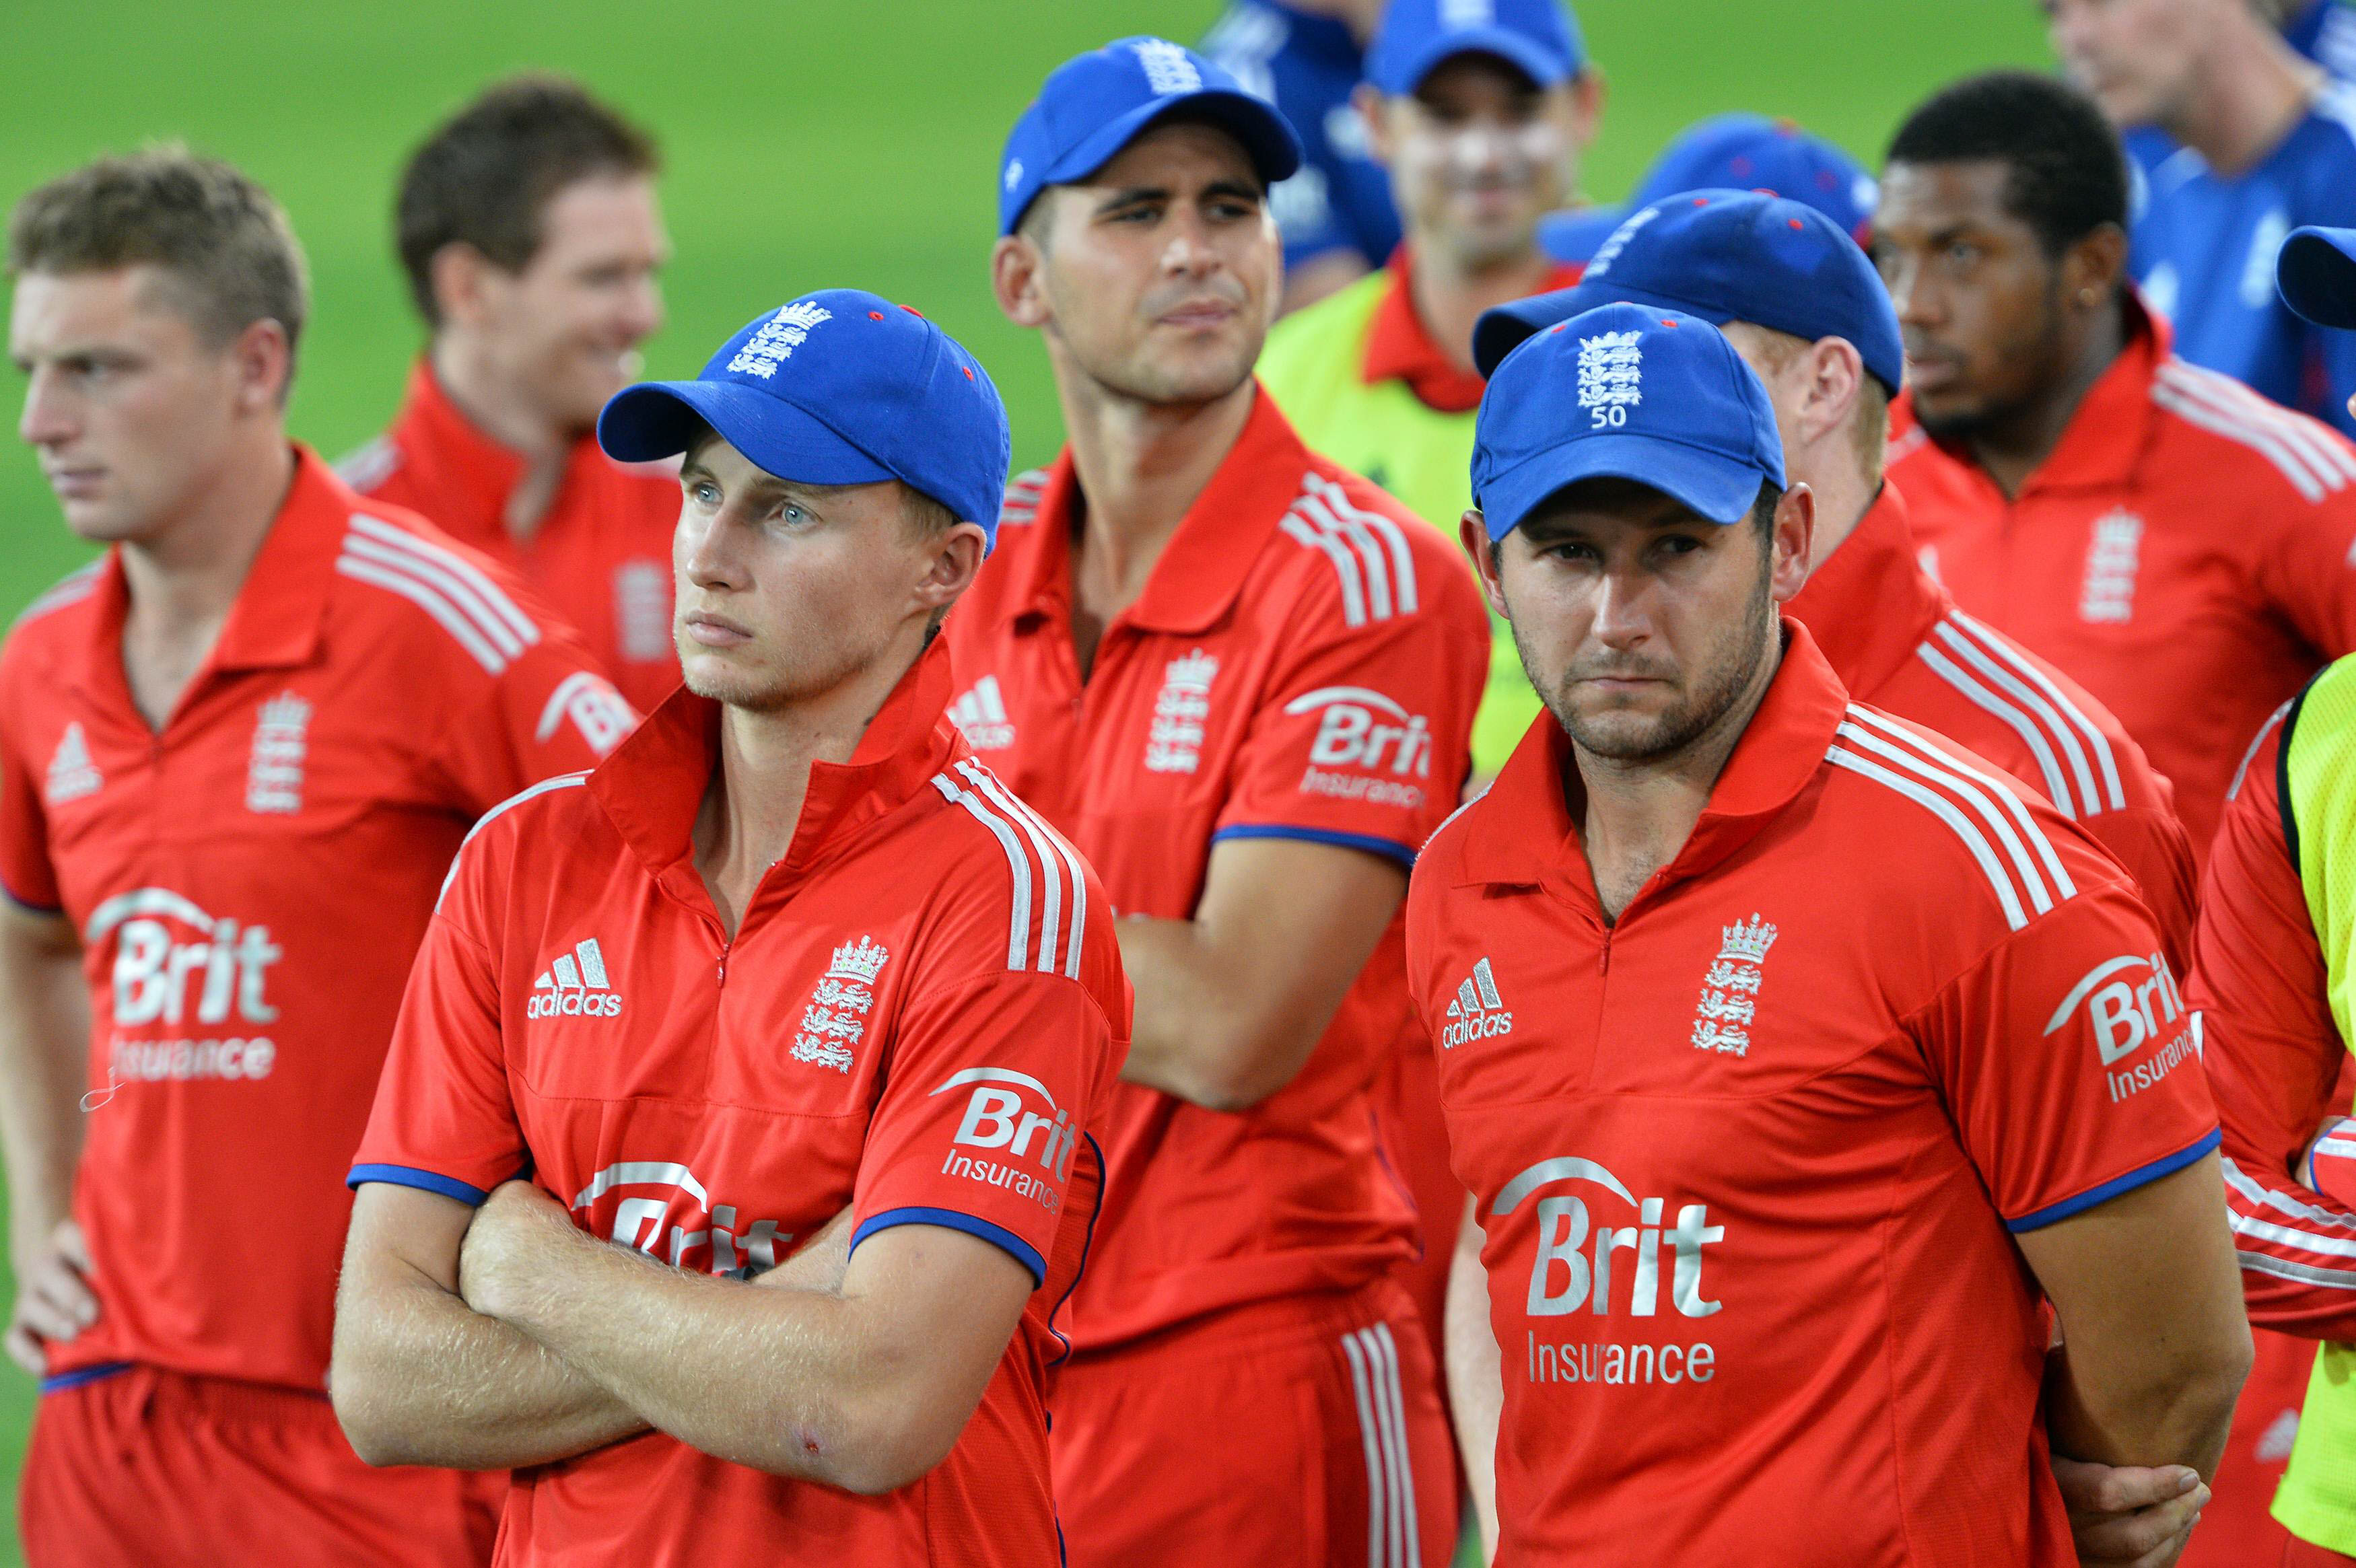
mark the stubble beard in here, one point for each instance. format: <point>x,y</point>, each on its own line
<point>1625,738</point>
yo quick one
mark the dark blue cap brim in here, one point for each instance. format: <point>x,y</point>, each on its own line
<point>1501,329</point>
<point>1540,64</point>
<point>660,419</point>
<point>1717,486</point>
<point>2316,273</point>
<point>1267,136</point>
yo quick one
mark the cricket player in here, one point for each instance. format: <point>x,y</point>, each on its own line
<point>1736,151</point>
<point>2263,140</point>
<point>528,232</point>
<point>1795,1058</point>
<point>790,965</point>
<point>236,755</point>
<point>1802,306</point>
<point>1307,56</point>
<point>2169,538</point>
<point>1480,114</point>
<point>1241,679</point>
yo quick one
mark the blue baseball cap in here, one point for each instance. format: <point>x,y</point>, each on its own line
<point>1725,255</point>
<point>2316,273</point>
<point>1092,106</point>
<point>1537,38</point>
<point>1750,152</point>
<point>840,387</point>
<point>1625,392</point>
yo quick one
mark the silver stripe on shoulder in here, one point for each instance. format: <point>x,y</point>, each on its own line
<point>562,781</point>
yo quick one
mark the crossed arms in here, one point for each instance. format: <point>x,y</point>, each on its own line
<point>506,1335</point>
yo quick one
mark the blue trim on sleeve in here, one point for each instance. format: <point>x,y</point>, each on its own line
<point>1087,1241</point>
<point>2117,1185</point>
<point>26,905</point>
<point>1016,1246</point>
<point>1389,849</point>
<point>81,1375</point>
<point>425,1180</point>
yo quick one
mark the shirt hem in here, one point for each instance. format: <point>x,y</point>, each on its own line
<point>1389,849</point>
<point>999,1236</point>
<point>2094,1197</point>
<point>94,1372</point>
<point>424,1181</point>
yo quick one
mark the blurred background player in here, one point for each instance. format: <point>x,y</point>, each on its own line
<point>1480,114</point>
<point>1307,57</point>
<point>1241,679</point>
<point>1735,152</point>
<point>834,965</point>
<point>1685,1164</point>
<point>2265,141</point>
<point>235,755</point>
<point>528,229</point>
<point>2163,533</point>
<point>1805,308</point>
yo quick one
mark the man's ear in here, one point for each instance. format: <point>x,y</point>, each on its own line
<point>1835,381</point>
<point>264,363</point>
<point>1016,269</point>
<point>1374,114</point>
<point>956,558</point>
<point>1474,530</point>
<point>2093,267</point>
<point>1790,542</point>
<point>461,278</point>
<point>1588,92</point>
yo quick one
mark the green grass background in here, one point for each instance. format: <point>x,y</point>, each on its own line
<point>808,143</point>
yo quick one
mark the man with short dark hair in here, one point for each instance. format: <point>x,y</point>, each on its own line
<point>791,966</point>
<point>528,230</point>
<point>235,756</point>
<point>2175,541</point>
<point>1793,1055</point>
<point>1241,679</point>
<point>2262,142</point>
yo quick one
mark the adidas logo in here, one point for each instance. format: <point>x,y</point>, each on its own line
<point>1478,1012</point>
<point>72,773</point>
<point>981,713</point>
<point>569,989</point>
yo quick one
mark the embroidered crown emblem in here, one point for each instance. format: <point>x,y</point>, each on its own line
<point>1167,69</point>
<point>1195,672</point>
<point>779,337</point>
<point>860,961</point>
<point>1747,942</point>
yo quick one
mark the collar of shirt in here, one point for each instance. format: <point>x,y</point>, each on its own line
<point>1203,568</point>
<point>2107,436</point>
<point>275,620</point>
<point>1871,604</point>
<point>1522,834</point>
<point>1400,345</point>
<point>652,786</point>
<point>477,473</point>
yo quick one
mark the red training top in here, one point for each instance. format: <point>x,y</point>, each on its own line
<point>2184,551</point>
<point>1751,1159</point>
<point>1897,641</point>
<point>1302,663</point>
<point>919,1016</point>
<point>250,883</point>
<point>599,555</point>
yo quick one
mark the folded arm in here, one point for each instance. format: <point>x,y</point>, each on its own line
<point>1231,1002</point>
<point>1476,1388</point>
<point>864,1385</point>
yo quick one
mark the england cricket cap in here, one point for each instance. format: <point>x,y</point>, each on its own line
<point>1625,392</point>
<point>2317,275</point>
<point>840,387</point>
<point>1725,255</point>
<point>1537,38</point>
<point>1090,107</point>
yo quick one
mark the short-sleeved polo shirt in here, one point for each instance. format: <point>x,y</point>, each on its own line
<point>1302,663</point>
<point>1749,1159</point>
<point>918,1016</point>
<point>249,883</point>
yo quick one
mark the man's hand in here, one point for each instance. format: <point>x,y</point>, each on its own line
<point>2133,1517</point>
<point>515,1224</point>
<point>54,1301</point>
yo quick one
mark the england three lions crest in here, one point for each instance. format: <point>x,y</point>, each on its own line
<point>1730,989</point>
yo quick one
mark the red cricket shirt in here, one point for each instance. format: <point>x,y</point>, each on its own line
<point>249,884</point>
<point>2184,552</point>
<point>601,555</point>
<point>1749,1159</point>
<point>1399,343</point>
<point>1304,664</point>
<point>1895,639</point>
<point>919,1016</point>
<point>2275,1058</point>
